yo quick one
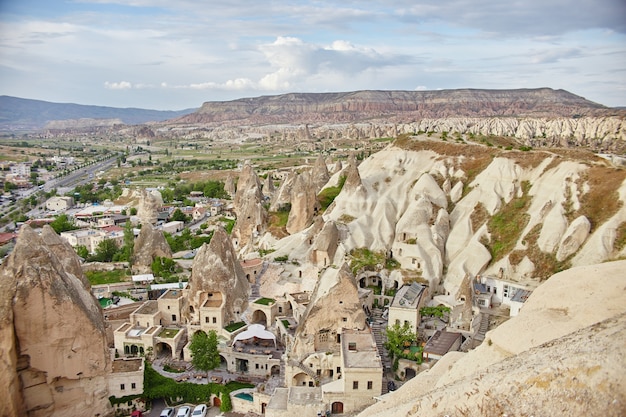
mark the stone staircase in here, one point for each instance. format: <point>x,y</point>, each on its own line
<point>378,330</point>
<point>255,287</point>
<point>304,369</point>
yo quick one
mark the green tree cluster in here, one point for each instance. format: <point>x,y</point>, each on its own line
<point>398,339</point>
<point>186,240</point>
<point>180,191</point>
<point>164,267</point>
<point>62,223</point>
<point>204,353</point>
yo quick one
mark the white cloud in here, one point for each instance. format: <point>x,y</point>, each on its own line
<point>122,85</point>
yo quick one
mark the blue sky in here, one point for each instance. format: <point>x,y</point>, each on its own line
<point>176,54</point>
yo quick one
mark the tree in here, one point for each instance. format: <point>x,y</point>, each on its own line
<point>204,353</point>
<point>106,250</point>
<point>62,224</point>
<point>164,267</point>
<point>398,338</point>
<point>8,186</point>
<point>179,216</point>
<point>82,251</point>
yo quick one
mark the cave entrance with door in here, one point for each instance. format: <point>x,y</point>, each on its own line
<point>337,407</point>
<point>242,365</point>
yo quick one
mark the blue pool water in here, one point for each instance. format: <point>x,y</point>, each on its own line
<point>244,396</point>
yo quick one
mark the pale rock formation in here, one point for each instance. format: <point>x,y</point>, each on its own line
<point>319,174</point>
<point>428,187</point>
<point>600,245</point>
<point>149,204</point>
<point>282,196</point>
<point>304,203</point>
<point>268,186</point>
<point>325,245</point>
<point>229,186</point>
<point>52,337</point>
<point>216,269</point>
<point>334,303</point>
<point>248,202</point>
<point>456,192</point>
<point>353,179</point>
<point>149,244</point>
<point>550,192</point>
<point>66,254</point>
<point>562,355</point>
<point>574,237</point>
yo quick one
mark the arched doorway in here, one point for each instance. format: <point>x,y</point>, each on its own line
<point>223,363</point>
<point>216,401</point>
<point>259,317</point>
<point>275,370</point>
<point>337,407</point>
<point>409,373</point>
<point>363,282</point>
<point>300,379</point>
<point>163,350</point>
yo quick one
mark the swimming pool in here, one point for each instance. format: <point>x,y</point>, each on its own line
<point>244,396</point>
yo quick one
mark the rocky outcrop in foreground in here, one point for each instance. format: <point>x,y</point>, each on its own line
<point>563,355</point>
<point>52,334</point>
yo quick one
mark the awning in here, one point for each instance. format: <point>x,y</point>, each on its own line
<point>255,330</point>
<point>143,278</point>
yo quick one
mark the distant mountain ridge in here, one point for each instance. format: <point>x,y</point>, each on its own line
<point>395,106</point>
<point>26,114</point>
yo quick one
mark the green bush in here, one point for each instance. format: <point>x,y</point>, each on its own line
<point>328,195</point>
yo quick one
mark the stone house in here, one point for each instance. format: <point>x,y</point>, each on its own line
<point>59,204</point>
<point>491,292</point>
<point>90,238</point>
<point>406,304</point>
<point>126,377</point>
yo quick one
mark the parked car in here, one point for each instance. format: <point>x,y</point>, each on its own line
<point>167,412</point>
<point>199,411</point>
<point>184,411</point>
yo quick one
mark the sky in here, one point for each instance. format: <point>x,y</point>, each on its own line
<point>177,54</point>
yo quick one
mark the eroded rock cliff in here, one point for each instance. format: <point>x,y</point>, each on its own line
<point>248,203</point>
<point>149,244</point>
<point>53,341</point>
<point>217,270</point>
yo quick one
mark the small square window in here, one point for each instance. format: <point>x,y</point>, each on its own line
<point>133,385</point>
<point>122,387</point>
<point>370,384</point>
<point>214,320</point>
<point>355,384</point>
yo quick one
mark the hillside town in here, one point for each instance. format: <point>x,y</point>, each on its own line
<point>321,289</point>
